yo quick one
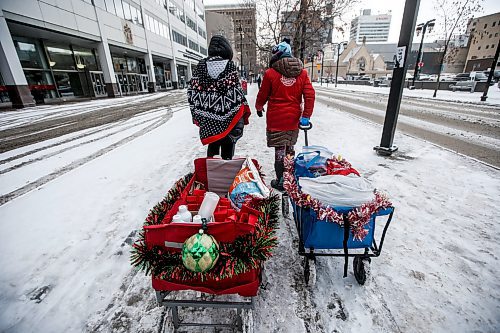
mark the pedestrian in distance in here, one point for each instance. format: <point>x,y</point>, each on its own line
<point>289,94</point>
<point>218,106</point>
<point>259,81</point>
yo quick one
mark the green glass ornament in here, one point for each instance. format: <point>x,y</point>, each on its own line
<point>200,252</point>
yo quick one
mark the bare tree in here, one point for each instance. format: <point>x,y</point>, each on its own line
<point>302,20</point>
<point>455,15</point>
<point>314,17</point>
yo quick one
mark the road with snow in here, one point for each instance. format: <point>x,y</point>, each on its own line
<point>73,204</point>
<point>50,133</point>
<point>469,129</point>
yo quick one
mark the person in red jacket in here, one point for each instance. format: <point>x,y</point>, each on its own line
<point>284,87</point>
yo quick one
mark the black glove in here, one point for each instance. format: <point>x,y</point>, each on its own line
<point>259,113</point>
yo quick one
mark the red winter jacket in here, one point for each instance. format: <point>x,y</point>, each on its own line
<point>283,88</point>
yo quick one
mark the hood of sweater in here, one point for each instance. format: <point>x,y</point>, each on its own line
<point>288,67</point>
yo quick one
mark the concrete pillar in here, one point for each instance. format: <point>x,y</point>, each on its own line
<point>148,59</point>
<point>11,69</point>
<point>173,68</point>
<point>107,68</point>
<point>190,72</point>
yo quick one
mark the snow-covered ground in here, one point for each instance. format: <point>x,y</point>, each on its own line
<point>444,95</point>
<point>65,245</point>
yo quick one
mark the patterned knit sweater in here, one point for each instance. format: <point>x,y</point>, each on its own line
<point>216,99</point>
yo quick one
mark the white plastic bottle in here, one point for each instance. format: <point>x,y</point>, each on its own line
<point>177,218</point>
<point>185,213</point>
<point>208,205</point>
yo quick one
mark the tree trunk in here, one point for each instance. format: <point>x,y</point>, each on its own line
<point>441,67</point>
<point>300,32</point>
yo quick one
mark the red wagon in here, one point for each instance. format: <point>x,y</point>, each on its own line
<point>246,238</point>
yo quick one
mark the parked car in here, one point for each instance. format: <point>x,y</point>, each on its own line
<point>447,77</point>
<point>496,75</point>
<point>473,76</point>
<point>424,77</point>
<point>385,81</point>
<point>463,85</point>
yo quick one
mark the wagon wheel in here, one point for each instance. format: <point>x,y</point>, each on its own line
<point>285,208</point>
<point>307,273</point>
<point>310,271</point>
<point>248,323</point>
<point>361,268</point>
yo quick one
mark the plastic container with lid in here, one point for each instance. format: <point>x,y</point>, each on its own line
<point>185,213</point>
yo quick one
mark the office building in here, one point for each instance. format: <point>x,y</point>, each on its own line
<point>245,33</point>
<point>484,36</point>
<point>370,28</point>
<point>71,48</point>
<point>220,24</point>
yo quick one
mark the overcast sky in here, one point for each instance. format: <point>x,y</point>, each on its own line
<point>426,12</point>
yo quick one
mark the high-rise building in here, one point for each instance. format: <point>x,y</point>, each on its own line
<point>370,28</point>
<point>245,33</point>
<point>484,36</point>
<point>97,48</point>
<point>220,24</point>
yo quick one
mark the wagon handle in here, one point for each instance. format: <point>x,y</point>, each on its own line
<point>305,129</point>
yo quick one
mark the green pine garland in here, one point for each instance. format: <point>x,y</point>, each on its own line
<point>244,254</point>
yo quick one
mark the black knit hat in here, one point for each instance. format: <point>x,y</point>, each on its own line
<point>219,46</point>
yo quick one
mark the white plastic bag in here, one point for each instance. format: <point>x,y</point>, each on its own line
<point>323,151</point>
<point>338,190</point>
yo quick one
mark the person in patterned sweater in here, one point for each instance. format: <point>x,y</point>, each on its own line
<point>218,106</point>
<point>284,87</point>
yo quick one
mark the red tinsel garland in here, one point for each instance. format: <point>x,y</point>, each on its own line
<point>358,218</point>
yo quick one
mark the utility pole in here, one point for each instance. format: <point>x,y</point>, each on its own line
<point>490,77</point>
<point>423,27</point>
<point>338,56</point>
<point>240,29</point>
<point>322,62</point>
<point>398,78</point>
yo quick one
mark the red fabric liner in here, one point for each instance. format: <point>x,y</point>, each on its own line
<point>245,284</point>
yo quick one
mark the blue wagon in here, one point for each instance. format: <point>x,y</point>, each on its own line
<point>322,237</point>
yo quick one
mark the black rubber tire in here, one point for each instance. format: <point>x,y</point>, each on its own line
<point>359,269</point>
<point>285,207</point>
<point>307,272</point>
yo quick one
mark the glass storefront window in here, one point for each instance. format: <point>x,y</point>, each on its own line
<point>120,64</point>
<point>85,59</point>
<point>141,64</point>
<point>40,78</point>
<point>60,56</point>
<point>132,65</point>
<point>30,53</point>
<point>68,84</point>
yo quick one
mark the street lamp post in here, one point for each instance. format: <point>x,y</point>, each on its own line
<point>421,27</point>
<point>240,29</point>
<point>338,56</point>
<point>322,62</point>
<point>490,77</point>
<point>398,78</point>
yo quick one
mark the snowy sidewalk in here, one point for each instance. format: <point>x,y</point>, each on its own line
<point>438,271</point>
